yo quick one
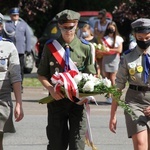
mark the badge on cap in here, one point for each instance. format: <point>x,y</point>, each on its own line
<point>139,69</point>
<point>132,71</point>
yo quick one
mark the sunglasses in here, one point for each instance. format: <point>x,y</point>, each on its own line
<point>67,28</point>
<point>14,14</point>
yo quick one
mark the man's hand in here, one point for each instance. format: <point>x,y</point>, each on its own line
<point>18,113</point>
<point>56,95</point>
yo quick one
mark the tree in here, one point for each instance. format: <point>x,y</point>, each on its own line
<point>128,11</point>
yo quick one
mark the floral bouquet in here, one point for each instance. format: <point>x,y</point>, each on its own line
<point>101,50</point>
<point>80,85</point>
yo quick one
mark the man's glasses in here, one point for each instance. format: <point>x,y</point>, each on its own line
<point>67,28</point>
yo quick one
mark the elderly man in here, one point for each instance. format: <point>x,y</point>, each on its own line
<point>66,120</point>
<point>17,31</point>
<point>135,68</point>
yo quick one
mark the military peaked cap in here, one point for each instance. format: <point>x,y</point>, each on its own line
<point>141,25</point>
<point>14,10</point>
<point>67,16</point>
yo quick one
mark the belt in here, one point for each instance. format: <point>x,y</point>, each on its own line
<point>139,88</point>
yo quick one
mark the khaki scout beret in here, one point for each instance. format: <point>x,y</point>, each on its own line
<point>1,18</point>
<point>141,25</point>
<point>67,16</point>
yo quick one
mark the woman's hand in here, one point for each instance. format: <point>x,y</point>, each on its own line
<point>113,124</point>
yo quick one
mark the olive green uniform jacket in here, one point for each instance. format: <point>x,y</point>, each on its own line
<point>80,54</point>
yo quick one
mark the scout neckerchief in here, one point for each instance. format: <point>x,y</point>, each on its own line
<point>59,53</point>
<point>146,67</point>
<point>67,55</point>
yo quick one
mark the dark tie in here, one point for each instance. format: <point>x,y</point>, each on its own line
<point>146,67</point>
<point>67,55</point>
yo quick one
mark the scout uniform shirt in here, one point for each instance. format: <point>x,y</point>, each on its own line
<point>79,52</point>
<point>9,67</point>
<point>131,68</point>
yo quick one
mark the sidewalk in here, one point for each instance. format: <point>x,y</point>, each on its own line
<point>31,133</point>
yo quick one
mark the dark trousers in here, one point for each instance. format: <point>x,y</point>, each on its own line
<point>66,125</point>
<point>21,59</point>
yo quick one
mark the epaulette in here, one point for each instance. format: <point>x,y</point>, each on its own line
<point>84,41</point>
<point>127,51</point>
<point>49,41</point>
<point>8,21</point>
<point>4,39</point>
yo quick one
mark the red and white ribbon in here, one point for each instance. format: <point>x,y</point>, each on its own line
<point>59,53</point>
<point>66,79</point>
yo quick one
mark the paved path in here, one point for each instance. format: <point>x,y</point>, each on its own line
<point>31,134</point>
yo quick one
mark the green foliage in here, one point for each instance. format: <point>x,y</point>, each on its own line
<point>103,89</point>
<point>31,82</point>
<point>39,12</point>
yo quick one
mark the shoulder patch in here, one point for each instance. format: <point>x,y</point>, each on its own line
<point>84,41</point>
<point>49,41</point>
<point>7,21</point>
<point>4,39</point>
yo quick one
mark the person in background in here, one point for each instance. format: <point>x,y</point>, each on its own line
<point>66,119</point>
<point>9,77</point>
<point>99,30</point>
<point>101,25</point>
<point>110,63</point>
<point>134,69</point>
<point>17,31</point>
<point>88,34</point>
<point>132,41</point>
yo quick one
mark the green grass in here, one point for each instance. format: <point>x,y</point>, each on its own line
<point>31,82</point>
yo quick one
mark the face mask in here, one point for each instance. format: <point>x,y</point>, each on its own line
<point>110,30</point>
<point>85,34</point>
<point>143,44</point>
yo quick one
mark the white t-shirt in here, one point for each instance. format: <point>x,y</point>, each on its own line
<point>103,28</point>
<point>110,40</point>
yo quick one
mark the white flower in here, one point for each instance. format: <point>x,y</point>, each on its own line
<point>95,44</point>
<point>106,82</point>
<point>78,77</point>
<point>88,86</point>
<point>99,46</point>
<point>85,76</point>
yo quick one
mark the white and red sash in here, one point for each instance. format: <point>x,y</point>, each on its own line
<point>59,53</point>
<point>106,43</point>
